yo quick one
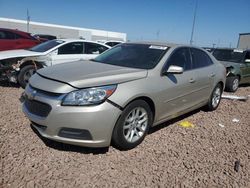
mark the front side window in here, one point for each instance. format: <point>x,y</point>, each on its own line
<point>45,46</point>
<point>181,58</point>
<point>93,48</point>
<point>71,48</point>
<point>142,56</point>
<point>200,58</point>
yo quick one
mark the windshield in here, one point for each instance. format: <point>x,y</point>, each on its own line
<point>43,47</point>
<point>141,56</point>
<point>229,55</point>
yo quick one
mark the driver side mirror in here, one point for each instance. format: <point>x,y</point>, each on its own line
<point>247,60</point>
<point>173,69</point>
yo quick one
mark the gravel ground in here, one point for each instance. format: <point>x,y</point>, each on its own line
<point>170,156</point>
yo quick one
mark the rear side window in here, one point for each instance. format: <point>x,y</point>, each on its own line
<point>200,58</point>
<point>71,48</point>
<point>93,48</point>
<point>181,58</point>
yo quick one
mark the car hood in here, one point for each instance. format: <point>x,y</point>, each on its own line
<point>228,63</point>
<point>82,74</point>
<point>18,53</point>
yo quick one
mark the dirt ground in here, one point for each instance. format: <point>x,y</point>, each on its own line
<point>170,156</point>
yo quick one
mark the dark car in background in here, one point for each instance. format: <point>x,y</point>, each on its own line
<point>11,39</point>
<point>45,37</point>
<point>237,63</point>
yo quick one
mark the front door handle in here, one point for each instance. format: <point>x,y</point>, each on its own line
<point>212,74</point>
<point>191,80</point>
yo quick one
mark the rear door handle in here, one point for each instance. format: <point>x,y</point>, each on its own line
<point>191,80</point>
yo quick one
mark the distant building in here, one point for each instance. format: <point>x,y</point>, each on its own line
<point>61,31</point>
<point>244,41</point>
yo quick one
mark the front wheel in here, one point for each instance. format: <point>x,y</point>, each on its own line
<point>215,98</point>
<point>25,74</point>
<point>132,126</point>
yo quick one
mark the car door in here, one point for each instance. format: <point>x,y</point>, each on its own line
<point>68,52</point>
<point>177,92</point>
<point>24,42</point>
<point>204,71</point>
<point>92,50</point>
<point>245,68</point>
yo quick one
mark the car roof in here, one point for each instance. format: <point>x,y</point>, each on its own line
<point>13,30</point>
<point>161,44</point>
<point>81,40</point>
<point>232,49</point>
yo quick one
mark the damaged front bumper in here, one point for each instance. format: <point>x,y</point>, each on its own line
<point>8,74</point>
<point>9,70</point>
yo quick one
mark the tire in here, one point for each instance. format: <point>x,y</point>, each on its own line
<point>232,83</point>
<point>129,124</point>
<point>25,73</point>
<point>215,98</point>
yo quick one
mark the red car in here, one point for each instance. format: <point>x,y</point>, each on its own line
<point>11,39</point>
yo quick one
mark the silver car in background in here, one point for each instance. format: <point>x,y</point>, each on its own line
<point>123,92</point>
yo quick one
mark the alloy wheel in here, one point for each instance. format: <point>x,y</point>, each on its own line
<point>216,97</point>
<point>135,124</point>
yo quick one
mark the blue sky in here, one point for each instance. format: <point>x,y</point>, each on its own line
<point>218,21</point>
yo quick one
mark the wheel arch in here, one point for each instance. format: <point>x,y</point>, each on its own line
<point>31,62</point>
<point>147,99</point>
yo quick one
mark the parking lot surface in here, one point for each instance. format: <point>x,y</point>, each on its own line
<point>214,153</point>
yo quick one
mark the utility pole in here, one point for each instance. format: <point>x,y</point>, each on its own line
<point>28,21</point>
<point>157,34</point>
<point>192,33</point>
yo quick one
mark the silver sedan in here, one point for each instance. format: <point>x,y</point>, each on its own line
<point>116,97</point>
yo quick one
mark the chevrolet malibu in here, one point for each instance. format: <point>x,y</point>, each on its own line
<point>116,97</point>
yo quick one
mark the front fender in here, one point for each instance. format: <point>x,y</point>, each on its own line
<point>233,70</point>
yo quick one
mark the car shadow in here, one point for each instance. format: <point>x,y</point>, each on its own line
<point>9,84</point>
<point>172,121</point>
<point>244,85</point>
<point>96,151</point>
<point>68,147</point>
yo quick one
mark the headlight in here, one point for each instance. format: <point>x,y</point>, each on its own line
<point>88,96</point>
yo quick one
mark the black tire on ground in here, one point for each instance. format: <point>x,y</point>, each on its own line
<point>232,83</point>
<point>120,131</point>
<point>25,73</point>
<point>215,98</point>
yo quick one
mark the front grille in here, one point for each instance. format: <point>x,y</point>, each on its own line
<point>37,108</point>
<point>47,93</point>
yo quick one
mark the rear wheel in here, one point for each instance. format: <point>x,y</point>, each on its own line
<point>24,75</point>
<point>132,126</point>
<point>215,98</point>
<point>232,83</point>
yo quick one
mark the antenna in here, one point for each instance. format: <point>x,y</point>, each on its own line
<point>192,33</point>
<point>28,21</point>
